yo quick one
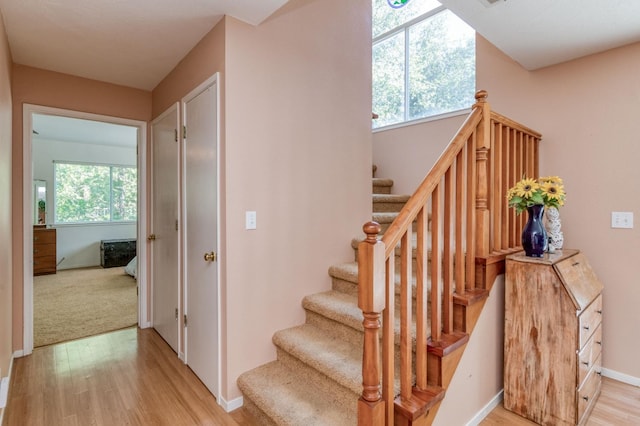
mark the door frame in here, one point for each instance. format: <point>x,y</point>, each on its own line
<point>167,112</point>
<point>214,80</point>
<point>27,210</point>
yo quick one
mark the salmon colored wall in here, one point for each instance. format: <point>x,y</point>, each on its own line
<point>204,60</point>
<point>47,88</point>
<point>5,203</point>
<point>586,110</point>
<point>413,145</point>
<point>298,152</point>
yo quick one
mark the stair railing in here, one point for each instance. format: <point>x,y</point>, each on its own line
<point>462,226</point>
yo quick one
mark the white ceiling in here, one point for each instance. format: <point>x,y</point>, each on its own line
<point>134,43</point>
<point>137,42</point>
<point>539,33</point>
<point>67,129</point>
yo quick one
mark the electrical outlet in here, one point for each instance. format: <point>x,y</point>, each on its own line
<point>250,220</point>
<point>622,220</point>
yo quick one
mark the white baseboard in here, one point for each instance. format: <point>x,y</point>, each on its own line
<point>234,404</point>
<point>621,377</point>
<point>480,415</point>
<point>146,324</point>
<point>18,354</point>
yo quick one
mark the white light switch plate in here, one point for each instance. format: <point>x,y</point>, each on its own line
<point>622,220</point>
<point>250,220</point>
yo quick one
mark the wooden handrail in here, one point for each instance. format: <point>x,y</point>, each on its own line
<point>460,209</point>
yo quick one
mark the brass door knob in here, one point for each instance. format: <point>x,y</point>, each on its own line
<point>210,257</point>
<point>151,237</point>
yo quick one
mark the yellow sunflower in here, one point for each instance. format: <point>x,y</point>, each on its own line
<point>526,187</point>
<point>552,179</point>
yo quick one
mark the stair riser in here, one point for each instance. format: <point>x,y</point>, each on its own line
<point>381,189</point>
<point>345,396</point>
<point>344,331</point>
<point>387,207</point>
<point>260,416</point>
<point>344,286</point>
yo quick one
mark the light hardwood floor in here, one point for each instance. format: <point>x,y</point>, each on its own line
<point>127,377</point>
<point>132,377</point>
<point>618,405</point>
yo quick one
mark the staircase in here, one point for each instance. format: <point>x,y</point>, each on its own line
<point>317,378</point>
<point>336,369</point>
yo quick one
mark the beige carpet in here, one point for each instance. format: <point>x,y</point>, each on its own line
<point>82,302</point>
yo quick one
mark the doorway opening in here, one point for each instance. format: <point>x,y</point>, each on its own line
<point>84,222</point>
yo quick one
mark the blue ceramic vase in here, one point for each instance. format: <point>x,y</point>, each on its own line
<point>534,236</point>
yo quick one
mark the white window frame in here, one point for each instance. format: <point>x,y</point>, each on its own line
<point>85,163</point>
<point>405,27</point>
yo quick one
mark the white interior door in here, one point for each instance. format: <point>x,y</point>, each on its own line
<point>200,109</point>
<point>165,242</point>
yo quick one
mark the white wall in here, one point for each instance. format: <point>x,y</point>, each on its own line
<point>78,246</point>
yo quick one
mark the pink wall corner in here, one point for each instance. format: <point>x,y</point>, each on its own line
<point>47,88</point>
<point>298,143</point>
<point>5,203</point>
<point>406,154</point>
<point>587,111</point>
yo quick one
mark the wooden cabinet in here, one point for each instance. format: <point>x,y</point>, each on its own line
<point>552,337</point>
<point>44,250</point>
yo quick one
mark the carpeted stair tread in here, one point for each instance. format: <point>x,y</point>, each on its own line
<point>343,308</point>
<point>382,186</point>
<point>340,307</point>
<point>336,358</point>
<point>291,400</point>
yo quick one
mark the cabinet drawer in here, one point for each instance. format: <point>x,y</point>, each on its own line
<point>589,320</point>
<point>40,250</point>
<point>45,236</point>
<point>589,354</point>
<point>589,391</point>
<point>44,265</point>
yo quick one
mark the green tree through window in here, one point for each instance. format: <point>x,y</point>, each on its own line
<point>95,193</point>
<point>423,61</point>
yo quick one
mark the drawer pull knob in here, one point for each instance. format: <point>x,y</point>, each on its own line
<point>586,398</point>
<point>585,363</point>
<point>600,312</point>
<point>586,327</point>
<point>599,342</point>
<point>599,373</point>
<point>576,264</point>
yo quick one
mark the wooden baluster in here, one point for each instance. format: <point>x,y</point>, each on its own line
<point>460,206</point>
<point>471,216</point>
<point>448,253</point>
<point>436,299</point>
<point>406,342</point>
<point>371,300</point>
<point>421,298</point>
<point>388,341</point>
<point>501,200</point>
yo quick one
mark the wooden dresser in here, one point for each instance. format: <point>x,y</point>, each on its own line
<point>44,250</point>
<point>552,337</point>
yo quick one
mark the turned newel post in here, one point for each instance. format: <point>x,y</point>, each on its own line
<point>483,144</point>
<point>371,267</point>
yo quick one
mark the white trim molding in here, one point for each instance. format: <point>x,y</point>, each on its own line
<point>234,404</point>
<point>5,382</point>
<point>621,377</point>
<point>480,415</point>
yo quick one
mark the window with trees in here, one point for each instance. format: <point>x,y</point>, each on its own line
<point>90,193</point>
<point>423,61</point>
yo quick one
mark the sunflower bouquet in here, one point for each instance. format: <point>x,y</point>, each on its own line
<point>548,191</point>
